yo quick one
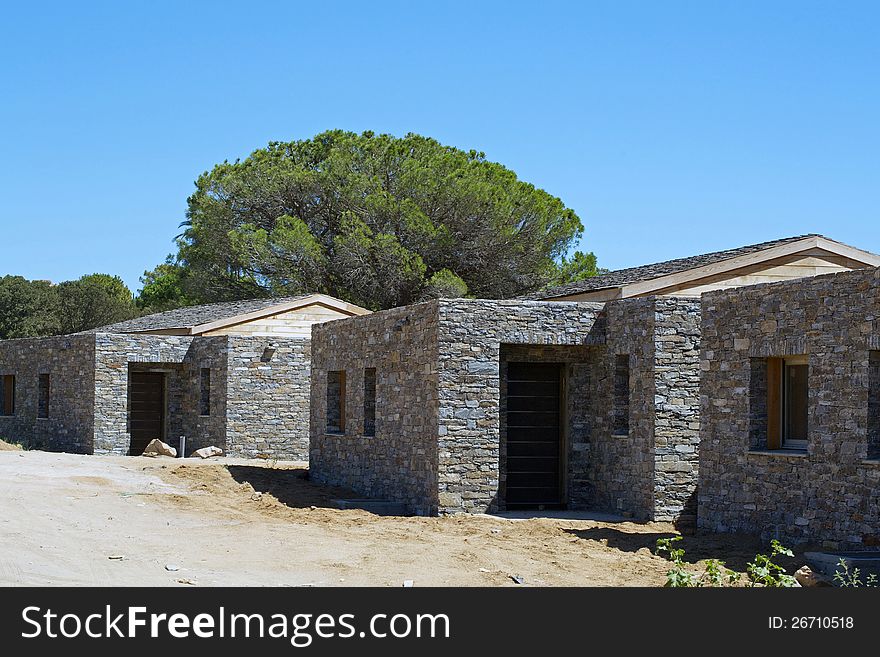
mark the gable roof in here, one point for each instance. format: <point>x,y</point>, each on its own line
<point>195,320</point>
<point>648,278</point>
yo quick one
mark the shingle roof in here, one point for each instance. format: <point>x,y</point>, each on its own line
<point>184,318</point>
<point>648,272</point>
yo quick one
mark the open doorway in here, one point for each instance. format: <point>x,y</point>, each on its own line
<point>534,436</point>
<point>146,410</point>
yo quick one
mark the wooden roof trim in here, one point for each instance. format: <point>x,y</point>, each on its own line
<point>311,300</point>
<point>848,251</point>
<point>731,264</point>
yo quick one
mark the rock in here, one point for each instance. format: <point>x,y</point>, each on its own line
<point>806,577</point>
<point>158,448</point>
<point>185,580</point>
<point>116,557</point>
<point>256,497</point>
<point>208,452</point>
<point>407,583</point>
<point>172,567</point>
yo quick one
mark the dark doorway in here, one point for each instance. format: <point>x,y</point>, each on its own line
<point>533,435</point>
<point>146,411</point>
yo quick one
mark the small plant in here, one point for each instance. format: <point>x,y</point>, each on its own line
<point>715,573</point>
<point>678,575</point>
<point>763,571</point>
<point>847,578</point>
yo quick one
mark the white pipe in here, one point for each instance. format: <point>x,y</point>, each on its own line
<point>182,451</point>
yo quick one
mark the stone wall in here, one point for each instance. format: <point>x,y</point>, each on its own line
<point>471,333</point>
<point>641,446</point>
<point>181,357</point>
<point>69,362</point>
<point>205,430</point>
<point>399,462</point>
<point>267,408</point>
<point>677,409</point>
<point>464,345</point>
<point>259,402</point>
<point>830,492</point>
<point>621,464</point>
<point>874,405</point>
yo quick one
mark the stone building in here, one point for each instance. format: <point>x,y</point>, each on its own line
<point>588,396</point>
<point>790,440</point>
<point>234,375</point>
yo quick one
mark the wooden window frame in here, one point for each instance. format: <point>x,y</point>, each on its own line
<point>777,404</point>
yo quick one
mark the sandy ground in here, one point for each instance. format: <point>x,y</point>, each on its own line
<point>121,521</point>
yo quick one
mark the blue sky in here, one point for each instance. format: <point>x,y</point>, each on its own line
<point>671,128</point>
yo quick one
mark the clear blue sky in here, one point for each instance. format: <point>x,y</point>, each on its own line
<point>671,128</point>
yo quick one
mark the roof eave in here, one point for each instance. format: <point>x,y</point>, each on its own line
<point>311,300</point>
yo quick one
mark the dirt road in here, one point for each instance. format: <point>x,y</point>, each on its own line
<point>124,521</point>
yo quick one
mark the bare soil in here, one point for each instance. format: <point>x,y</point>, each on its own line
<point>127,521</point>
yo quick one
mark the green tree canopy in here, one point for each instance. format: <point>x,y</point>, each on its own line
<point>38,308</point>
<point>377,220</point>
<point>579,266</point>
<point>93,300</point>
<point>163,288</point>
<point>27,308</point>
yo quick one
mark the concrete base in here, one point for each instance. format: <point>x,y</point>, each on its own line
<point>827,562</point>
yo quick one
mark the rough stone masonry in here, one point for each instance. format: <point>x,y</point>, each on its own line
<point>830,491</point>
<point>440,402</point>
<point>259,399</point>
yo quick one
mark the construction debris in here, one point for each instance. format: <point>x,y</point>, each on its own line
<point>158,448</point>
<point>407,583</point>
<point>172,567</point>
<point>806,576</point>
<point>208,452</point>
<point>518,579</point>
